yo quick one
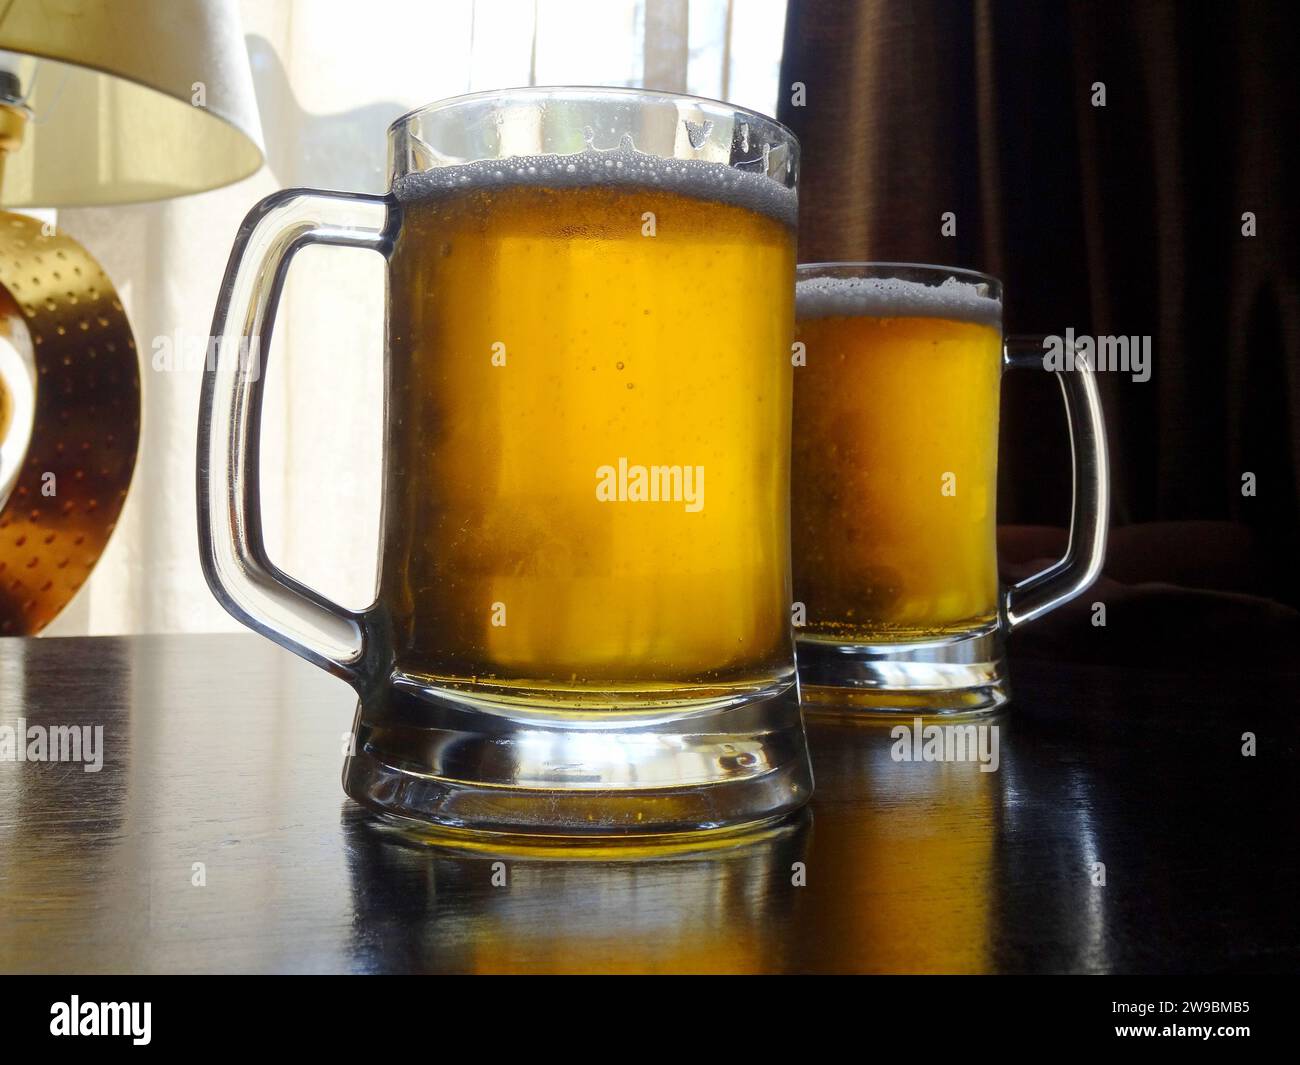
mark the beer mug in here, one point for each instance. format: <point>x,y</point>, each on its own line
<point>894,489</point>
<point>582,617</point>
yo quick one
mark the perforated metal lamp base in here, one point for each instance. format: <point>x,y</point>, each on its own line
<point>66,459</point>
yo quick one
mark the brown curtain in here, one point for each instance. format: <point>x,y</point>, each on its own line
<point>1117,220</point>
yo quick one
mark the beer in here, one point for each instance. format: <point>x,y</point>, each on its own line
<point>589,427</point>
<point>894,475</point>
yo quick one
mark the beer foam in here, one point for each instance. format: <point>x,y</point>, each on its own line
<point>622,167</point>
<point>892,297</point>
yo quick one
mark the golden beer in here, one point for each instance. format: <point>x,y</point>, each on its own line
<point>894,480</point>
<point>590,398</point>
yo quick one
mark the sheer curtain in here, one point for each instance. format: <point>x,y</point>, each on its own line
<point>330,76</point>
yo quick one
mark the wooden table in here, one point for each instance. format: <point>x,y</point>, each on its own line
<point>216,837</point>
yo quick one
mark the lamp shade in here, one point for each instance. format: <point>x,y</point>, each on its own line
<point>130,100</point>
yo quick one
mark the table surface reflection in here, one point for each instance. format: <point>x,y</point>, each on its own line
<point>226,751</point>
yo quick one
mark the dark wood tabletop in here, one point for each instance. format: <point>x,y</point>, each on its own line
<point>216,838</point>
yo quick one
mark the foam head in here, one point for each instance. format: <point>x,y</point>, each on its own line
<point>892,297</point>
<point>614,167</point>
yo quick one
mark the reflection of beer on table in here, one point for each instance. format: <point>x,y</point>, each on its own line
<point>913,871</point>
<point>894,486</point>
<point>554,319</point>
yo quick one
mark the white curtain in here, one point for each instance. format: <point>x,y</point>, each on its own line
<point>330,76</point>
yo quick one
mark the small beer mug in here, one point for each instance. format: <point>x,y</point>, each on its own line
<point>894,489</point>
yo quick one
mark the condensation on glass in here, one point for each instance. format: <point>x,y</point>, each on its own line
<point>582,626</point>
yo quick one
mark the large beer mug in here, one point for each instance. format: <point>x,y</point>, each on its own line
<point>582,621</point>
<point>894,490</point>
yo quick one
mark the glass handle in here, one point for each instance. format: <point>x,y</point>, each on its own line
<point>244,580</point>
<point>1090,510</point>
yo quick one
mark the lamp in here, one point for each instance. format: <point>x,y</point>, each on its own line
<point>101,102</point>
<point>132,100</point>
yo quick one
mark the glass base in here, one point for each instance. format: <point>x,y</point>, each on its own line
<point>437,759</point>
<point>962,674</point>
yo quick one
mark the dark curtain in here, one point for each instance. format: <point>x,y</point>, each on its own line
<point>1117,220</point>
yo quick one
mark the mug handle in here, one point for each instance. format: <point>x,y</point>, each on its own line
<point>1090,509</point>
<point>241,575</point>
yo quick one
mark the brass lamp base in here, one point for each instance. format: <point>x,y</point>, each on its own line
<point>62,317</point>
